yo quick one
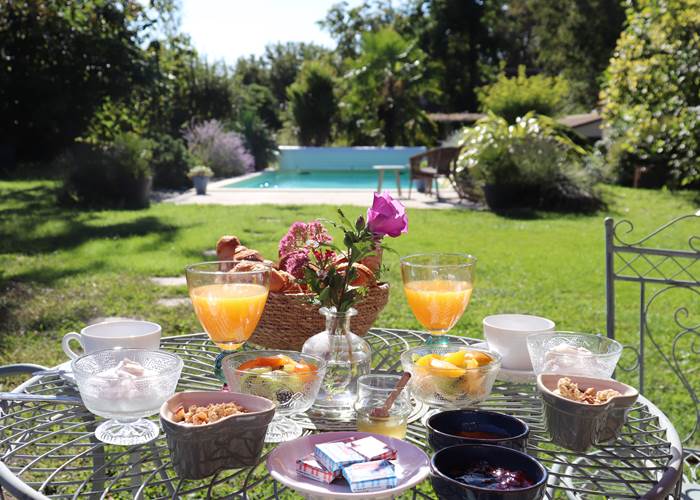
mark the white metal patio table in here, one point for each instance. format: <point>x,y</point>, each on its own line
<point>48,448</point>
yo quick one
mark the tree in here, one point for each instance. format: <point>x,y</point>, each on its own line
<point>313,104</point>
<point>453,33</point>
<point>284,61</point>
<point>455,38</point>
<point>652,92</point>
<point>346,25</point>
<point>514,97</point>
<point>576,39</point>
<point>60,61</point>
<point>386,89</point>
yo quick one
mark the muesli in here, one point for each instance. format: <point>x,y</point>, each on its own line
<point>199,415</point>
<point>568,389</point>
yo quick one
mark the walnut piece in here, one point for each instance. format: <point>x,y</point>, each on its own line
<point>570,390</point>
<point>199,415</point>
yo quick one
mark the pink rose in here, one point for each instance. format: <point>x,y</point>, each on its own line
<point>387,216</point>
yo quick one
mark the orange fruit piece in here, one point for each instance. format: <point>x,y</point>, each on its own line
<point>445,369</point>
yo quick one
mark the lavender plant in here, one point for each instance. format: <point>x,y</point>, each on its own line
<point>220,150</point>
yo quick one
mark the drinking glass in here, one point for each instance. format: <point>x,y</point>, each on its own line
<point>293,391</point>
<point>126,398</point>
<point>372,392</point>
<point>438,288</point>
<point>227,303</point>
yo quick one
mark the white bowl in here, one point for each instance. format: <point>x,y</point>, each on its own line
<point>507,334</point>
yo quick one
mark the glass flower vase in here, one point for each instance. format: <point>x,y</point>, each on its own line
<point>348,357</point>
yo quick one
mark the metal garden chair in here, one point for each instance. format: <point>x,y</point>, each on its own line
<point>430,165</point>
<point>668,315</point>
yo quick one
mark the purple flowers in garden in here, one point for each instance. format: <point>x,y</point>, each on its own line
<point>222,151</point>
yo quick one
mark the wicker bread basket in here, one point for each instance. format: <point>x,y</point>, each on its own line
<point>288,319</point>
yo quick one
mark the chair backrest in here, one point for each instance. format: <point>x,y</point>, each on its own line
<point>441,159</point>
<point>668,317</point>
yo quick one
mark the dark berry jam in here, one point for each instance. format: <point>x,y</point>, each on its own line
<point>480,435</point>
<point>484,475</point>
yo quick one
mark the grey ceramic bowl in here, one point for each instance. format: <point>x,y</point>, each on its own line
<point>202,450</point>
<point>578,426</point>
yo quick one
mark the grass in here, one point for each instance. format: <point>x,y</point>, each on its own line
<point>61,267</point>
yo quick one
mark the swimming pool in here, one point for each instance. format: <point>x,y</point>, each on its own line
<point>342,179</point>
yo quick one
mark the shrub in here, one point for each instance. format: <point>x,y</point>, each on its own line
<point>171,162</point>
<point>652,93</point>
<point>517,96</point>
<point>222,151</point>
<point>313,104</point>
<point>115,174</point>
<point>200,171</point>
<point>258,137</point>
<point>532,164</point>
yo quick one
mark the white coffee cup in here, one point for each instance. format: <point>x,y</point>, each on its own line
<point>506,334</point>
<point>133,334</point>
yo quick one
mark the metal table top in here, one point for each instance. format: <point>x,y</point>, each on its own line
<point>48,448</point>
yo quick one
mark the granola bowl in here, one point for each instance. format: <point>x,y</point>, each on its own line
<point>577,423</point>
<point>206,446</point>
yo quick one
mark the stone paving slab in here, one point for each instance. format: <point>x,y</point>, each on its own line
<point>169,281</point>
<point>173,302</point>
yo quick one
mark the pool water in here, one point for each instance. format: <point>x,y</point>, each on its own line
<point>342,179</point>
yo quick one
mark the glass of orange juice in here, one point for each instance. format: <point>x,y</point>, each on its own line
<point>438,288</point>
<point>228,303</point>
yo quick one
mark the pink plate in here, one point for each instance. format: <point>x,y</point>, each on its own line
<point>412,467</point>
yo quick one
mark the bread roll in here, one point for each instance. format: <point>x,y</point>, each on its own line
<point>249,255</point>
<point>226,247</point>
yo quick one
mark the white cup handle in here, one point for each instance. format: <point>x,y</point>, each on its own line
<point>65,343</point>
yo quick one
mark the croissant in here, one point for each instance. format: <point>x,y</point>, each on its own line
<point>226,247</point>
<point>249,265</point>
<point>279,280</point>
<point>365,276</point>
<point>248,254</point>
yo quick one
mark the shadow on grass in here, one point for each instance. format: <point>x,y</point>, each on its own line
<point>38,200</point>
<point>77,232</point>
<point>47,275</point>
<point>33,206</point>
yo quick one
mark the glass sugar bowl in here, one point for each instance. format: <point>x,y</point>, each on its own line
<point>373,391</point>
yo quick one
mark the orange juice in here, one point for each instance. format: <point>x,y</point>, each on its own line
<point>438,304</point>
<point>229,312</point>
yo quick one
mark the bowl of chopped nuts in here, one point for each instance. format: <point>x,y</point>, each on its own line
<point>583,411</point>
<point>209,431</point>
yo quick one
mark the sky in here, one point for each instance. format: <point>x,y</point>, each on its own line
<point>228,29</point>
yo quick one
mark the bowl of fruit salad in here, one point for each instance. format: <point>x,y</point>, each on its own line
<point>289,379</point>
<point>451,376</point>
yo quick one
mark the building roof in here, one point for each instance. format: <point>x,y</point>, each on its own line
<point>574,121</point>
<point>464,117</point>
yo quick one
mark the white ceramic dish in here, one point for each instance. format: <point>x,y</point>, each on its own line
<point>507,334</point>
<point>412,467</point>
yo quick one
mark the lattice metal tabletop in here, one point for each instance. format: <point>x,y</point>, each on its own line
<point>48,448</point>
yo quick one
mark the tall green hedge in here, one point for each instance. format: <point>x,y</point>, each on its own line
<point>652,93</point>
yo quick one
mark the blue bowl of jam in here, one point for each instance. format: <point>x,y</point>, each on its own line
<point>453,427</point>
<point>486,472</point>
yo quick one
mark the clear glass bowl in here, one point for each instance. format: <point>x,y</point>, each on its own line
<point>292,392</point>
<point>573,354</point>
<point>125,400</point>
<point>450,392</point>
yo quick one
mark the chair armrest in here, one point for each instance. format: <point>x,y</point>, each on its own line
<point>20,369</point>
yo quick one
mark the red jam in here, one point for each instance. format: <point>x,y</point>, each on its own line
<point>484,475</point>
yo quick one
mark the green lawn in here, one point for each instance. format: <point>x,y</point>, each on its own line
<point>60,267</point>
